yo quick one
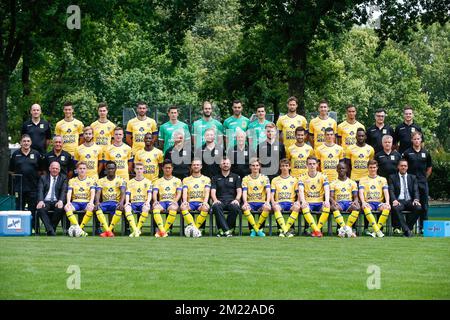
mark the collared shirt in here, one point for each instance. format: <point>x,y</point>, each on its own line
<point>418,163</point>
<point>403,184</point>
<point>226,187</point>
<point>387,163</point>
<point>64,159</point>
<point>211,159</point>
<point>53,181</point>
<point>27,165</point>
<point>39,133</point>
<point>375,136</point>
<point>403,135</point>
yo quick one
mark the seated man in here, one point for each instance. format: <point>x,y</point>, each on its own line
<point>111,191</point>
<point>373,190</point>
<point>256,196</point>
<point>166,194</point>
<point>314,194</point>
<point>283,198</point>
<point>80,196</point>
<point>404,194</point>
<point>137,198</point>
<point>196,189</point>
<point>344,198</point>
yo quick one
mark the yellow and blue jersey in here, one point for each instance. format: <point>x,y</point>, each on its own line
<point>329,159</point>
<point>138,129</point>
<point>120,155</point>
<point>317,128</point>
<point>359,156</point>
<point>347,132</point>
<point>103,132</point>
<point>343,190</point>
<point>297,156</point>
<point>91,155</point>
<point>314,187</point>
<point>287,126</point>
<point>70,132</point>
<point>151,160</point>
<point>111,188</point>
<point>256,188</point>
<point>196,187</point>
<point>139,190</point>
<point>284,189</point>
<point>373,188</point>
<point>167,188</point>
<point>81,189</point>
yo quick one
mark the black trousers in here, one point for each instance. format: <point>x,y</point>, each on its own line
<point>29,198</point>
<point>52,220</point>
<point>423,194</point>
<point>407,221</point>
<point>233,211</point>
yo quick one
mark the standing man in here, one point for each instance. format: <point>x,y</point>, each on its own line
<point>387,158</point>
<point>230,125</point>
<point>346,132</point>
<point>110,198</point>
<point>180,154</point>
<point>298,153</point>
<point>70,129</point>
<point>257,128</point>
<point>359,155</point>
<point>90,153</point>
<point>404,131</point>
<point>120,153</point>
<point>226,192</point>
<point>420,165</point>
<point>404,194</point>
<point>166,132</point>
<point>374,196</point>
<point>289,122</point>
<point>26,162</point>
<point>211,154</point>
<point>138,127</point>
<point>270,152</point>
<point>103,128</point>
<point>200,126</point>
<point>52,190</point>
<point>64,158</point>
<point>376,132</point>
<point>151,157</point>
<point>329,155</point>
<point>38,129</point>
<point>318,125</point>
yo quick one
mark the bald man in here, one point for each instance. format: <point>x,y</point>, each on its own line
<point>38,129</point>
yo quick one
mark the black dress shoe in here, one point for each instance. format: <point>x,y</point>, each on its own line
<point>51,234</point>
<point>408,234</point>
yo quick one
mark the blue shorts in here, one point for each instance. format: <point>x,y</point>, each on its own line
<point>108,207</point>
<point>137,207</point>
<point>165,204</point>
<point>195,205</point>
<point>315,206</point>
<point>285,206</point>
<point>79,206</point>
<point>374,205</point>
<point>344,205</point>
<point>256,206</point>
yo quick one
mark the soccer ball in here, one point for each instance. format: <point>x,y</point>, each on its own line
<point>341,232</point>
<point>197,233</point>
<point>74,231</point>
<point>192,232</point>
<point>348,231</point>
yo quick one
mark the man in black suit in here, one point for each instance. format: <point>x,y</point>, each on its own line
<point>404,194</point>
<point>52,190</point>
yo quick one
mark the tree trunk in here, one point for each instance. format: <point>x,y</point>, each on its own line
<point>4,146</point>
<point>297,76</point>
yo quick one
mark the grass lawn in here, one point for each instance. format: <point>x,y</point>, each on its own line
<point>224,268</point>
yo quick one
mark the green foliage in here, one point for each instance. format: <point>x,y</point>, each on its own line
<point>439,182</point>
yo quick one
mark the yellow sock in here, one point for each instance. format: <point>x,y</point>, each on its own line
<point>323,217</point>
<point>201,218</point>
<point>251,220</point>
<point>158,220</point>
<point>383,218</point>
<point>371,219</point>
<point>170,219</point>
<point>352,218</point>
<point>292,218</point>
<point>130,218</point>
<point>262,218</point>
<point>102,219</point>
<point>187,217</point>
<point>115,219</point>
<point>280,220</point>
<point>72,218</point>
<point>142,219</point>
<point>310,219</point>
<point>338,217</point>
<point>87,217</point>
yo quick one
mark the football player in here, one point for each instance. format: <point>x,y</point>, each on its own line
<point>70,129</point>
<point>329,154</point>
<point>120,153</point>
<point>151,157</point>
<point>298,152</point>
<point>90,153</point>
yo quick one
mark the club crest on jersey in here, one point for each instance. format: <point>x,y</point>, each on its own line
<point>330,156</point>
<point>81,189</point>
<point>196,186</point>
<point>343,190</point>
<point>69,130</point>
<point>88,156</point>
<point>148,160</point>
<point>292,126</point>
<point>352,133</point>
<point>373,187</point>
<point>102,131</point>
<point>141,129</point>
<point>32,156</point>
<point>167,189</point>
<point>313,187</point>
<point>41,126</point>
<point>361,155</point>
<point>255,188</point>
<point>118,155</point>
<point>139,190</point>
<point>110,189</point>
<point>284,188</point>
<point>63,158</point>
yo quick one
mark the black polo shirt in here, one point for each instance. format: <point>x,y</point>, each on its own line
<point>375,136</point>
<point>403,135</point>
<point>269,156</point>
<point>27,165</point>
<point>181,160</point>
<point>387,163</point>
<point>65,160</point>
<point>211,159</point>
<point>240,160</point>
<point>418,162</point>
<point>226,187</point>
<point>39,133</point>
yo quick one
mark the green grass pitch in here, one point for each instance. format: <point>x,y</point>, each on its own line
<point>224,268</point>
